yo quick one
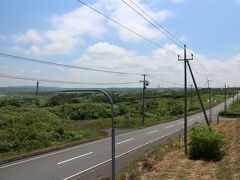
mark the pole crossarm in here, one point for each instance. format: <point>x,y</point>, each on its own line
<point>179,59</point>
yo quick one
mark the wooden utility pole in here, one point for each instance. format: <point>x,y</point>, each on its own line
<point>185,96</point>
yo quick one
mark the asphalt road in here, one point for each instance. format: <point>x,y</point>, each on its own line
<point>70,162</point>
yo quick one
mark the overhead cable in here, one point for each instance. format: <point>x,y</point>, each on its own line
<point>63,65</point>
<point>168,34</point>
<point>62,82</point>
<point>125,27</point>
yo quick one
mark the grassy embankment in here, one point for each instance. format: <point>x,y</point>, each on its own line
<point>169,162</point>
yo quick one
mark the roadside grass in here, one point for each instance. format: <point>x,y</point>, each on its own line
<point>229,167</point>
<point>147,162</point>
<point>169,162</point>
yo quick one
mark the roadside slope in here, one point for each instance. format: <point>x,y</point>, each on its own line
<point>174,164</point>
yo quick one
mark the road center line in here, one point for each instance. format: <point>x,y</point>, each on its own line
<point>125,141</point>
<point>74,158</point>
<point>169,126</point>
<point>152,132</point>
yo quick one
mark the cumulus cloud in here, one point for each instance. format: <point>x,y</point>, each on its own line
<point>31,35</point>
<point>120,12</point>
<point>68,30</point>
<point>162,65</point>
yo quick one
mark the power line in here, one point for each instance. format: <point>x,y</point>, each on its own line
<point>60,81</point>
<point>62,65</point>
<point>125,27</point>
<point>203,67</point>
<point>169,35</point>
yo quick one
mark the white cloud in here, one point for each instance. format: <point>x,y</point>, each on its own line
<point>31,35</point>
<point>161,64</point>
<point>111,57</point>
<point>123,14</point>
<point>68,30</point>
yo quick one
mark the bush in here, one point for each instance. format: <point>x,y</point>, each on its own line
<point>9,102</point>
<point>5,147</point>
<point>206,143</point>
<point>86,111</point>
<point>230,114</point>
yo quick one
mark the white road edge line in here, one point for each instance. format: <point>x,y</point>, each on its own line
<point>116,156</point>
<point>125,141</point>
<point>74,158</point>
<point>169,126</point>
<point>152,132</point>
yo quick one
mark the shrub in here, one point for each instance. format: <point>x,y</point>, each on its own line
<point>129,123</point>
<point>86,111</point>
<point>60,131</point>
<point>230,114</point>
<point>9,102</point>
<point>5,147</point>
<point>206,143</point>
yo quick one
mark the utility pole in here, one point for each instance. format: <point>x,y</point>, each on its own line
<point>225,98</point>
<point>36,94</point>
<point>209,101</point>
<point>237,94</point>
<point>145,83</point>
<point>185,96</point>
<point>191,97</point>
<point>233,99</point>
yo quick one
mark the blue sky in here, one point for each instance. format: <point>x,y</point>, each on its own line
<point>65,31</point>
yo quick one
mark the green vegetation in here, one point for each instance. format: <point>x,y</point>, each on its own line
<point>26,129</point>
<point>233,111</point>
<point>28,124</point>
<point>206,143</point>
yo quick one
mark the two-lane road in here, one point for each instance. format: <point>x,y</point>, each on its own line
<point>70,162</point>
